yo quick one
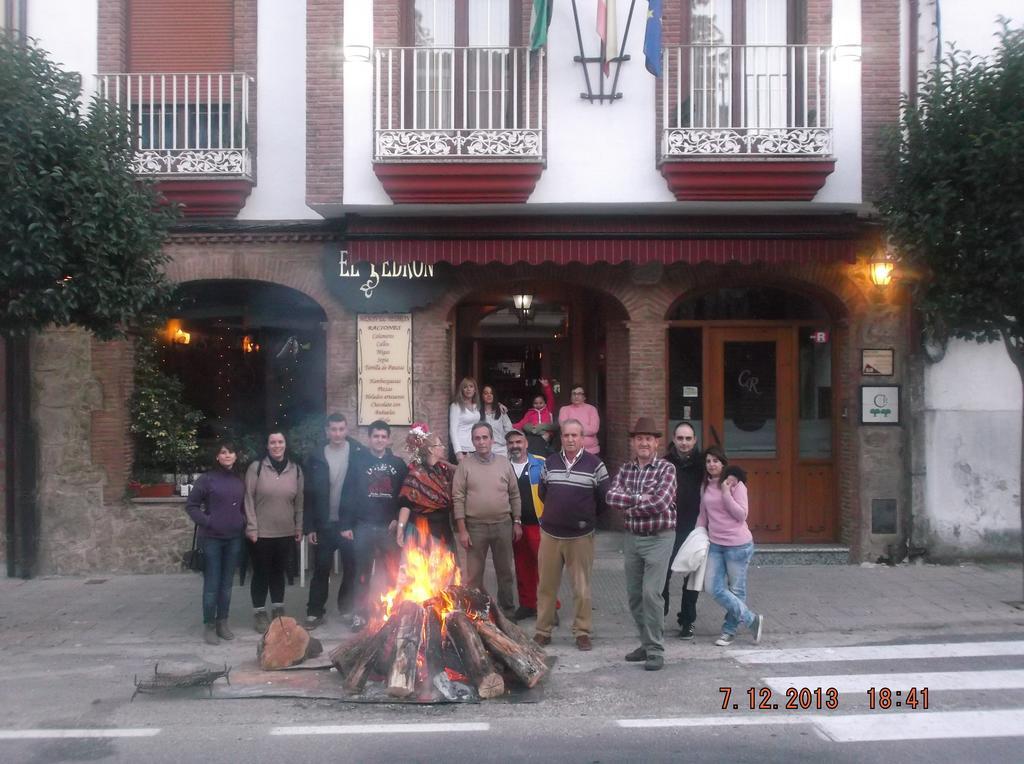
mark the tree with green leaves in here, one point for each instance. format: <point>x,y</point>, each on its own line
<point>954,204</point>
<point>81,237</point>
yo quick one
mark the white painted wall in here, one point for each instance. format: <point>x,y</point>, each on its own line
<point>972,420</point>
<point>844,184</point>
<point>969,24</point>
<point>280,192</point>
<point>601,153</point>
<point>361,184</point>
<point>67,29</point>
<point>972,406</point>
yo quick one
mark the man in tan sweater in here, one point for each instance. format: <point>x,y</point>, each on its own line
<point>487,514</point>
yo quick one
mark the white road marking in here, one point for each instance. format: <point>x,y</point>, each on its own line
<point>717,721</point>
<point>863,728</point>
<point>935,681</point>
<point>44,734</point>
<point>881,652</point>
<point>374,729</point>
<point>941,725</point>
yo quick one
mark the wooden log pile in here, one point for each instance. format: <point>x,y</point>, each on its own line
<point>461,633</point>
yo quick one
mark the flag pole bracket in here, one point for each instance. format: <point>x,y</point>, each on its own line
<point>613,64</point>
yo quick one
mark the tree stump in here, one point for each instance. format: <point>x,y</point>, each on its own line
<point>285,644</point>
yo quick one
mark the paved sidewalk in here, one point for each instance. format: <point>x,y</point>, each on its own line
<point>159,615</point>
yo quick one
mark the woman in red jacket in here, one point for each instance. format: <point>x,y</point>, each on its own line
<point>539,422</point>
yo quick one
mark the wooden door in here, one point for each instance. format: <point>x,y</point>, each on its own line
<point>751,412</point>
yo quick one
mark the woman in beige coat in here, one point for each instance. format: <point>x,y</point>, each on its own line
<point>273,522</point>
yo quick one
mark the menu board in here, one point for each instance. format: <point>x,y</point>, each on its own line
<point>384,359</point>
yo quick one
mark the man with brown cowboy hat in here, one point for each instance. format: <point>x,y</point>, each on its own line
<point>644,490</point>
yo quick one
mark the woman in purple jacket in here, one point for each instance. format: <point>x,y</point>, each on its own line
<point>217,506</point>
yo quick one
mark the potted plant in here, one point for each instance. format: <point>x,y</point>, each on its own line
<point>164,425</point>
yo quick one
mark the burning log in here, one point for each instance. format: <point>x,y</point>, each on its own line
<point>512,629</point>
<point>474,655</point>
<point>527,667</point>
<point>346,654</point>
<point>402,677</point>
<point>358,672</point>
<point>433,650</point>
<point>286,643</point>
<point>473,601</point>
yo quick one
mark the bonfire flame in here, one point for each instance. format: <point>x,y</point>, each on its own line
<point>428,567</point>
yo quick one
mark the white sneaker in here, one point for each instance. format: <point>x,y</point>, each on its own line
<point>758,628</point>
<point>725,640</point>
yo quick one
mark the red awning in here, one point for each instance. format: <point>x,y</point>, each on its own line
<point>535,251</point>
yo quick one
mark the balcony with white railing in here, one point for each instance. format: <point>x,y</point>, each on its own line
<point>753,114</point>
<point>458,123</point>
<point>191,133</point>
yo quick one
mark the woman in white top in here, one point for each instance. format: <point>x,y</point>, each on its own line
<point>496,415</point>
<point>462,415</point>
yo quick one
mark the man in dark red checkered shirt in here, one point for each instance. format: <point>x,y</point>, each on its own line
<point>644,490</point>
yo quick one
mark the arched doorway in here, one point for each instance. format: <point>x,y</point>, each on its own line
<point>255,357</point>
<point>752,368</point>
<point>567,336</point>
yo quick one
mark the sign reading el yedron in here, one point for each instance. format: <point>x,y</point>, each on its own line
<point>384,359</point>
<point>386,286</point>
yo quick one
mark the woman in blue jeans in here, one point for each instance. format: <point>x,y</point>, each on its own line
<point>217,506</point>
<point>723,511</point>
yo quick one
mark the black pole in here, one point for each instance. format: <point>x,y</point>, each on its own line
<point>622,50</point>
<point>583,55</point>
<point>22,522</point>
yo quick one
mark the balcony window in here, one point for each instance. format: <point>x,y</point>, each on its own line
<point>462,88</point>
<point>185,124</point>
<point>745,84</point>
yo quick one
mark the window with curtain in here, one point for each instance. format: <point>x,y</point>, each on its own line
<point>745,85</point>
<point>461,63</point>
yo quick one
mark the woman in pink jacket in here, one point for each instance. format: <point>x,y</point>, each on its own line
<point>578,408</point>
<point>723,511</point>
<point>539,422</point>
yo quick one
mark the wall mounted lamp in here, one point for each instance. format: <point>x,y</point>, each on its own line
<point>881,268</point>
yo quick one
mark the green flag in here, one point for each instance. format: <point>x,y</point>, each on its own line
<point>540,20</point>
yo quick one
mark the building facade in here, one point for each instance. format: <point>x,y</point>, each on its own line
<point>696,245</point>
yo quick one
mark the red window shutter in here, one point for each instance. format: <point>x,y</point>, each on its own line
<point>181,36</point>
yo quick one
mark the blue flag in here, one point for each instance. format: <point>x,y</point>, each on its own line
<point>652,38</point>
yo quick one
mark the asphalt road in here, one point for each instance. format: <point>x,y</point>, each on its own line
<point>76,708</point>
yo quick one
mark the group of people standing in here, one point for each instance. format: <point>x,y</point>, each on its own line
<point>533,514</point>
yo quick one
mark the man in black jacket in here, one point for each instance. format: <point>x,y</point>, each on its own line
<point>685,455</point>
<point>372,517</point>
<point>331,483</point>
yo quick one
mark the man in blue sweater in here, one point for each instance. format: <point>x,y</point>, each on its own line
<point>573,487</point>
<point>371,519</point>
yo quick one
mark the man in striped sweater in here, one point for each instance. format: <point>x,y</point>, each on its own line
<point>573,486</point>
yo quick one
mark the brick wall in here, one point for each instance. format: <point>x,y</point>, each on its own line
<point>112,34</point>
<point>110,441</point>
<point>324,102</point>
<point>880,86</point>
<point>819,22</point>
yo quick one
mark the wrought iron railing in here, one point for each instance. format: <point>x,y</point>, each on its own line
<point>185,124</point>
<point>762,100</point>
<point>458,103</point>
